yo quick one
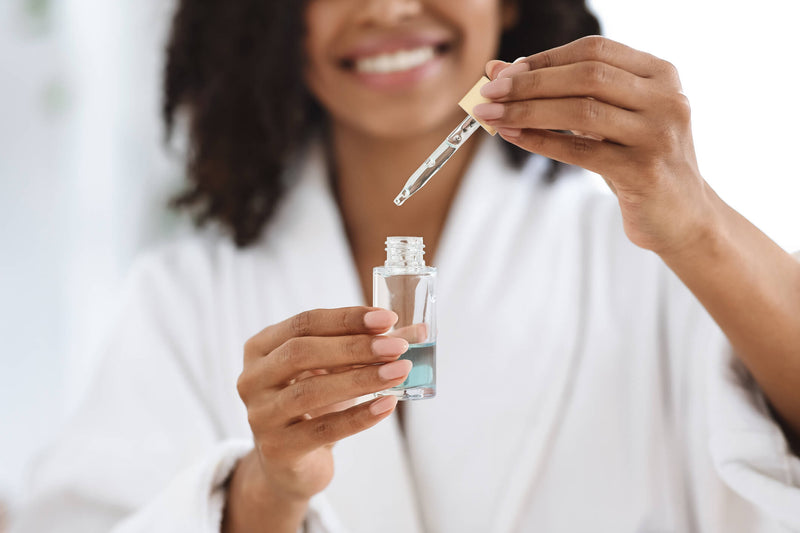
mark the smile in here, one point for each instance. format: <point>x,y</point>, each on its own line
<point>396,64</point>
<point>396,61</point>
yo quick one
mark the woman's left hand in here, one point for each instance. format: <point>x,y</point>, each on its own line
<point>631,125</point>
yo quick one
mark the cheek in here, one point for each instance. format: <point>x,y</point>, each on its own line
<point>481,21</point>
<point>320,24</point>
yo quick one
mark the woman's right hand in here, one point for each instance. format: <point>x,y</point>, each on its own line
<point>300,381</point>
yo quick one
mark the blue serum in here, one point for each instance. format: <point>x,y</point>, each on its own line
<point>405,285</point>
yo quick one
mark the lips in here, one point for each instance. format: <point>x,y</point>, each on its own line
<point>395,62</point>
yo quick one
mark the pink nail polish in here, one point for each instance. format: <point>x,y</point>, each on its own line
<point>511,133</point>
<point>497,88</point>
<point>380,319</point>
<point>490,111</point>
<point>383,404</point>
<point>516,68</point>
<point>389,346</point>
<point>394,370</point>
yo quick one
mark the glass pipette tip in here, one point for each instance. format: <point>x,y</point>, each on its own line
<point>437,159</point>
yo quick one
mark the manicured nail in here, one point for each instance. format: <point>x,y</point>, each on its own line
<point>380,319</point>
<point>516,68</point>
<point>496,65</point>
<point>510,133</point>
<point>389,346</point>
<point>394,370</point>
<point>497,88</point>
<point>383,404</point>
<point>488,111</point>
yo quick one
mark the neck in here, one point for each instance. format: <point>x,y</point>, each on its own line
<point>369,172</point>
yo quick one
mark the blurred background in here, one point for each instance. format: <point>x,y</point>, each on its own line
<point>85,172</point>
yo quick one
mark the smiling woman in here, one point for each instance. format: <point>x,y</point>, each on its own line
<point>596,371</point>
<point>251,108</point>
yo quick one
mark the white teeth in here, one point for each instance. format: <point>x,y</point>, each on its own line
<point>396,61</point>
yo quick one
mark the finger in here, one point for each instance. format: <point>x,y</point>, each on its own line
<point>496,65</point>
<point>588,78</point>
<point>301,354</point>
<point>308,435</point>
<point>596,156</point>
<point>321,323</point>
<point>596,48</point>
<point>321,391</point>
<point>596,118</point>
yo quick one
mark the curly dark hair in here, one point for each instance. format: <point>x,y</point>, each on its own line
<point>235,68</point>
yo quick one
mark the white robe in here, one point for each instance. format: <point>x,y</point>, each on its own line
<point>581,386</point>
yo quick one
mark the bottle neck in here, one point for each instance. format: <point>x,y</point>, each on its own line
<point>404,252</point>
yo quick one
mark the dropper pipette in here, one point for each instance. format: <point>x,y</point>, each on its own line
<point>453,142</point>
<point>437,159</point>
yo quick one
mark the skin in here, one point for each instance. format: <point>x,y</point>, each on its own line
<point>301,376</point>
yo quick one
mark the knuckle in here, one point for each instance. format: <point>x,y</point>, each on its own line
<point>353,346</point>
<point>667,72</point>
<point>304,395</point>
<point>595,74</point>
<point>680,106</point>
<point>362,378</point>
<point>594,45</point>
<point>546,59</point>
<point>323,430</point>
<point>532,83</point>
<point>670,70</point>
<point>293,353</point>
<point>250,346</point>
<point>524,112</point>
<point>347,319</point>
<point>300,391</point>
<point>588,110</point>
<point>536,142</point>
<point>301,324</point>
<point>243,386</point>
<point>581,145</point>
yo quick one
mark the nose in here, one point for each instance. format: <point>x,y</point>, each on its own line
<point>388,12</point>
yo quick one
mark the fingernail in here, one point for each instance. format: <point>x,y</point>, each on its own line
<point>394,370</point>
<point>383,404</point>
<point>496,65</point>
<point>516,68</point>
<point>497,88</point>
<point>380,319</point>
<point>488,111</point>
<point>511,133</point>
<point>389,346</point>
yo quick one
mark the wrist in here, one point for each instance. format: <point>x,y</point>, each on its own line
<point>702,231</point>
<point>253,504</point>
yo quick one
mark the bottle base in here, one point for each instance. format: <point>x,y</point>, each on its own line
<point>413,393</point>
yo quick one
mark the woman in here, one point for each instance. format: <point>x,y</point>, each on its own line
<point>582,385</point>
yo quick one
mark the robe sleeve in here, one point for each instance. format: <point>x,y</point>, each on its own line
<point>145,450</point>
<point>748,448</point>
<point>742,475</point>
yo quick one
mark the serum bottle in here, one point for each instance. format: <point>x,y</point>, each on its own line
<point>405,285</point>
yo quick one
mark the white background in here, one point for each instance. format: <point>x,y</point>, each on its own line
<point>83,173</point>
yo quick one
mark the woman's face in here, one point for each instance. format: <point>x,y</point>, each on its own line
<point>395,68</point>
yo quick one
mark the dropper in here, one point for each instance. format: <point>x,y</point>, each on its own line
<point>438,158</point>
<point>453,142</point>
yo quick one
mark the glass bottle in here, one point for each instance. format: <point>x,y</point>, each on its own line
<point>405,285</point>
